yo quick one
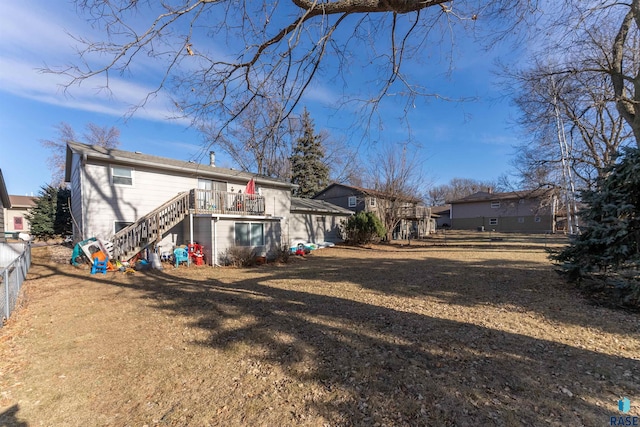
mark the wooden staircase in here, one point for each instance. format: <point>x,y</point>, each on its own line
<point>149,229</point>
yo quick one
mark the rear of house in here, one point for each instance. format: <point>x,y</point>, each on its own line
<point>519,211</point>
<point>126,197</point>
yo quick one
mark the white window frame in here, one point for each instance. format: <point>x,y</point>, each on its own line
<point>353,201</point>
<point>493,221</point>
<point>254,240</point>
<point>112,176</point>
<point>372,202</point>
<point>495,205</point>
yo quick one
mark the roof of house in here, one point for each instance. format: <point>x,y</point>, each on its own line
<point>481,196</point>
<point>22,201</point>
<point>137,158</point>
<point>299,204</point>
<point>4,196</point>
<point>362,190</point>
<point>440,209</point>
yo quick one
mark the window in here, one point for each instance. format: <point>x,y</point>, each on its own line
<point>372,202</point>
<point>537,219</point>
<point>495,204</point>
<point>521,201</point>
<point>121,175</point>
<point>119,225</point>
<point>493,221</point>
<point>249,234</point>
<point>352,201</point>
<point>521,220</point>
<point>17,223</point>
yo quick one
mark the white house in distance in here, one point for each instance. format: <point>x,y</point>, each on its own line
<point>4,203</point>
<point>136,200</point>
<point>15,220</point>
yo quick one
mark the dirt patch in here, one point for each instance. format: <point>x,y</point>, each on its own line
<point>387,336</point>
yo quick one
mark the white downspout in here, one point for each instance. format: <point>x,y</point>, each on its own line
<point>190,228</point>
<point>215,242</point>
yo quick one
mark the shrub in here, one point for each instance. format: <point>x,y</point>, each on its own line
<point>239,256</point>
<point>363,227</point>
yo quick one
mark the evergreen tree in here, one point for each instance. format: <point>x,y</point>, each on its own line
<point>363,227</point>
<point>308,169</point>
<point>610,227</point>
<point>51,214</point>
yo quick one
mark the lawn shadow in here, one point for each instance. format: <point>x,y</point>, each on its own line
<point>9,417</point>
<point>373,364</point>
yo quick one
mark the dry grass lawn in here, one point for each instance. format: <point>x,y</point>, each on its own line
<point>418,335</point>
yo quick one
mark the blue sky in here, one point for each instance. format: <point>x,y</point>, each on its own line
<point>471,139</point>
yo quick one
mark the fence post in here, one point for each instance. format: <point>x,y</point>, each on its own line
<point>5,279</point>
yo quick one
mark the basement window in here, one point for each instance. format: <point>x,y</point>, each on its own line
<point>493,221</point>
<point>249,234</point>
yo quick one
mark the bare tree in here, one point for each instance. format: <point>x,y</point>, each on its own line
<point>595,42</point>
<point>220,53</point>
<point>258,141</point>
<point>577,106</point>
<point>94,135</point>
<point>397,177</point>
<point>458,188</point>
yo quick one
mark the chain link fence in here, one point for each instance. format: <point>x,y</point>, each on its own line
<point>15,260</point>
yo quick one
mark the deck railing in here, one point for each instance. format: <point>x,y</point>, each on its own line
<point>414,212</point>
<point>151,227</point>
<point>224,202</point>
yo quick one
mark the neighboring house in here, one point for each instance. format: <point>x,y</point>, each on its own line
<point>442,215</point>
<point>15,220</point>
<point>316,221</point>
<point>5,203</point>
<point>135,201</point>
<point>532,211</point>
<point>415,221</point>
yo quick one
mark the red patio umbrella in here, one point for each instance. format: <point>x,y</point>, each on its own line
<point>251,187</point>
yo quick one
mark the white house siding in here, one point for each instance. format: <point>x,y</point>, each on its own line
<point>106,203</point>
<point>9,221</point>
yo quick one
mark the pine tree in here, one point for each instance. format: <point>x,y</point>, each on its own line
<point>610,228</point>
<point>308,169</point>
<point>51,214</point>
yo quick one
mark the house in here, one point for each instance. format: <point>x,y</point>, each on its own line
<point>415,219</point>
<point>316,221</point>
<point>528,211</point>
<point>442,215</point>
<point>15,220</point>
<point>137,201</point>
<point>5,203</point>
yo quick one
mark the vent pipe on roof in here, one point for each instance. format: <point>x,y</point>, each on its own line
<point>212,158</point>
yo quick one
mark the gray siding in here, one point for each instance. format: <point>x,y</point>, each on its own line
<point>510,216</point>
<point>315,227</point>
<point>76,198</point>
